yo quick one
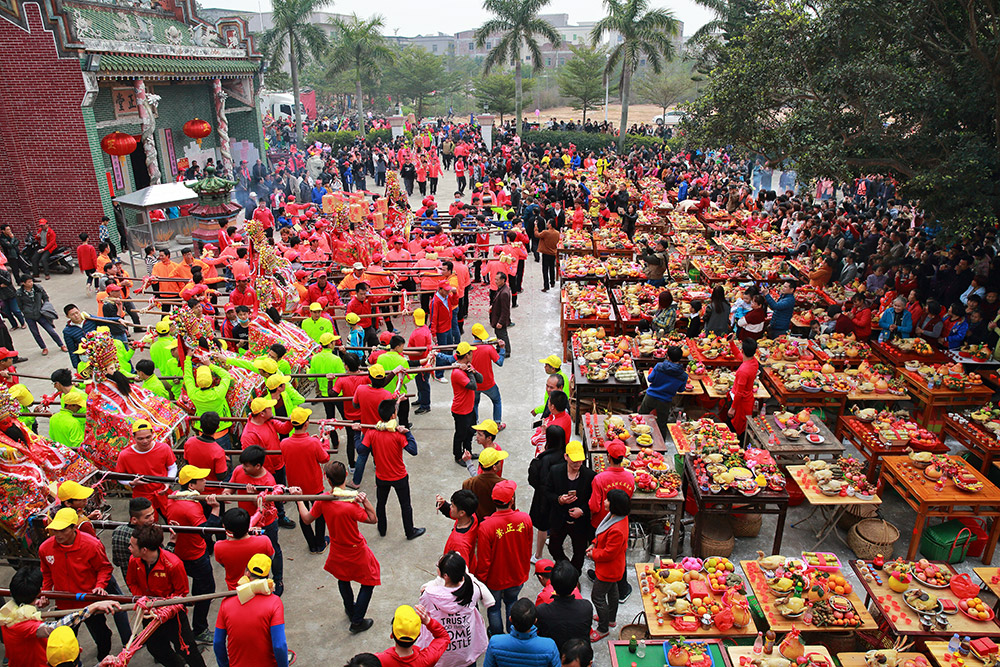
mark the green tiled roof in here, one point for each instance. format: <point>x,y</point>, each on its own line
<point>163,65</point>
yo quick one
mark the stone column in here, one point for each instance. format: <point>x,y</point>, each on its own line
<point>219,96</point>
<point>147,116</point>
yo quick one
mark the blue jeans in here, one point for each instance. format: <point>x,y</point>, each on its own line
<point>362,460</point>
<point>423,387</point>
<point>442,339</point>
<point>494,394</point>
<point>657,282</point>
<point>277,563</point>
<point>12,311</point>
<point>507,596</point>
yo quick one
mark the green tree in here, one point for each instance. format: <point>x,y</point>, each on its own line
<point>642,32</point>
<point>517,26</point>
<point>277,80</point>
<point>495,92</point>
<point>360,48</point>
<point>666,88</point>
<point>293,32</point>
<point>706,47</point>
<point>416,75</point>
<point>582,78</point>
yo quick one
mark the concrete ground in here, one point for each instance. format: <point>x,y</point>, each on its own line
<point>315,624</point>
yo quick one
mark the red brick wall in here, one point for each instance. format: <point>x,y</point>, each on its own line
<point>46,168</point>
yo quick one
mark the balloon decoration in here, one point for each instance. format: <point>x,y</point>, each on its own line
<point>197,129</point>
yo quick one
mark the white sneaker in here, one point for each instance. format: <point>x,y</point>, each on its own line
<point>441,380</point>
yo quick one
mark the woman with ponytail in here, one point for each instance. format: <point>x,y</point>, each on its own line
<point>453,599</point>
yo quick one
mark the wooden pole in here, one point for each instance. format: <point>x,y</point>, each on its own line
<point>421,369</point>
<point>273,497</point>
<point>165,602</point>
<point>197,530</point>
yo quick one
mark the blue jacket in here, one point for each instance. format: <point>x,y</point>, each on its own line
<point>904,328</point>
<point>781,311</point>
<point>73,335</point>
<point>957,334</point>
<point>665,380</point>
<point>521,649</point>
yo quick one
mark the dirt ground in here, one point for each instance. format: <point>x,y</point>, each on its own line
<point>637,113</point>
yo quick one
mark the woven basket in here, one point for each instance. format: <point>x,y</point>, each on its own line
<point>746,525</point>
<point>870,537</point>
<point>717,539</point>
<point>855,513</point>
<point>637,627</point>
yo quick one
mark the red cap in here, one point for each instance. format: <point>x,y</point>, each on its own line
<point>319,272</point>
<point>323,301</point>
<point>444,284</point>
<point>385,337</point>
<point>230,306</point>
<point>503,492</point>
<point>242,275</point>
<point>300,274</point>
<point>458,253</point>
<point>43,221</point>
<point>113,288</point>
<point>376,258</point>
<point>617,450</point>
<point>544,566</point>
<point>7,354</point>
<point>398,239</point>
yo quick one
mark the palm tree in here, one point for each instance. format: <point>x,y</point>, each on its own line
<point>293,30</point>
<point>360,47</point>
<point>516,25</point>
<point>643,32</point>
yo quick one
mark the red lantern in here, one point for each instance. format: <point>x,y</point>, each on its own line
<point>118,144</point>
<point>197,129</point>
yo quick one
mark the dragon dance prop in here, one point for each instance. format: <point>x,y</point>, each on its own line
<point>264,333</point>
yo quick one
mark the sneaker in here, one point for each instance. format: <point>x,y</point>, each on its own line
<point>422,410</point>
<point>285,522</point>
<point>291,657</point>
<point>357,628</point>
<point>417,532</point>
<point>206,636</point>
<point>622,598</point>
<point>502,426</point>
<point>460,462</point>
<point>442,380</point>
<point>534,559</point>
<point>592,575</point>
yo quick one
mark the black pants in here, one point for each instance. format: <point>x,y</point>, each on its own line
<point>461,184</point>
<point>408,184</point>
<point>501,333</point>
<point>202,582</point>
<point>434,185</point>
<point>579,534</point>
<point>355,608</point>
<point>463,309</point>
<point>130,310</point>
<point>315,533</point>
<point>662,408</point>
<point>379,178</point>
<point>462,441</point>
<point>446,161</point>
<point>422,186</point>
<point>99,630</point>
<point>425,303</point>
<point>331,413</point>
<point>403,412</point>
<point>165,644</point>
<point>402,487</point>
<point>548,271</point>
<point>534,248</point>
<point>40,259</point>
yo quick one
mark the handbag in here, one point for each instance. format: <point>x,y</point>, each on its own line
<point>49,311</point>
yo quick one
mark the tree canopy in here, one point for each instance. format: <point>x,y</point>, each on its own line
<point>417,75</point>
<point>582,78</point>
<point>495,92</point>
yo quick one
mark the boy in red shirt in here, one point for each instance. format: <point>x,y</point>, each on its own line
<point>304,456</point>
<point>252,472</point>
<point>203,451</point>
<point>406,625</point>
<point>462,510</point>
<point>265,432</point>
<point>155,572</point>
<point>503,552</point>
<point>615,476</point>
<point>387,442</point>
<point>146,457</point>
<point>367,398</point>
<point>251,632</point>
<point>484,355</point>
<point>235,551</point>
<point>464,382</point>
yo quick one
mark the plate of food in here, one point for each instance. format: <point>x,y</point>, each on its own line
<point>921,601</point>
<point>815,438</point>
<point>976,609</point>
<point>967,482</point>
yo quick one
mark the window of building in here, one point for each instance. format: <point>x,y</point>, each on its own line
<point>489,45</point>
<point>642,62</point>
<point>548,62</point>
<point>472,46</point>
<point>574,38</point>
<point>562,61</point>
<point>527,58</point>
<point>434,48</point>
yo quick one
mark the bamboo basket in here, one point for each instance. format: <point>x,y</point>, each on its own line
<point>870,537</point>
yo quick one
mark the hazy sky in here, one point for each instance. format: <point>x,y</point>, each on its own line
<point>408,18</point>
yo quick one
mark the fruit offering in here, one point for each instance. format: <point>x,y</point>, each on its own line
<point>935,576</point>
<point>618,267</point>
<point>638,300</point>
<point>976,609</point>
<point>581,266</point>
<point>842,346</point>
<point>576,240</point>
<point>612,238</point>
<point>822,560</point>
<point>714,347</point>
<point>586,301</point>
<point>913,346</point>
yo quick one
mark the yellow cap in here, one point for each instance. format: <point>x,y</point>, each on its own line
<point>376,371</point>
<point>574,450</point>
<point>258,405</point>
<point>489,457</point>
<point>64,518</point>
<point>487,425</point>
<point>70,490</point>
<point>419,317</point>
<point>463,349</point>
<point>315,307</point>
<point>352,318</point>
<point>203,377</point>
<point>190,472</point>
<point>276,381</point>
<point>80,350</point>
<point>21,395</point>
<point>552,360</point>
<point>172,345</point>
<point>141,425</point>
<point>406,623</point>
<point>479,331</point>
<point>104,329</point>
<point>62,646</point>
<point>259,565</point>
<point>300,416</point>
<point>326,338</point>
<point>266,365</point>
<point>163,326</point>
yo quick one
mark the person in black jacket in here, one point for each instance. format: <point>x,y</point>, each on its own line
<point>568,490</point>
<point>566,617</point>
<point>538,474</point>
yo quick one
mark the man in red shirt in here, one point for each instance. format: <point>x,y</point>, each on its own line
<point>191,547</point>
<point>235,551</point>
<point>146,457</point>
<point>203,451</point>
<point>367,398</point>
<point>86,257</point>
<point>615,476</point>
<point>461,510</point>
<point>484,355</point>
<point>265,432</point>
<point>503,553</point>
<point>387,441</point>
<point>243,294</point>
<point>304,457</point>
<point>253,473</point>
<point>361,305</point>
<point>76,562</point>
<point>464,381</point>
<point>442,304</point>
<point>349,559</point>
<point>406,626</point>
<point>346,387</point>
<point>251,632</point>
<point>422,338</point>
<point>155,572</point>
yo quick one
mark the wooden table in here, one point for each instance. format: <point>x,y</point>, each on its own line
<point>904,621</point>
<point>896,357</point>
<point>856,659</point>
<point>731,360</point>
<point>583,389</point>
<point>724,504</point>
<point>973,437</point>
<point>620,656</point>
<point>759,392</point>
<point>736,652</point>
<point>932,402</point>
<point>863,437</point>
<point>667,630</point>
<point>832,402</point>
<point>778,623</point>
<point>831,507</point>
<point>791,451</point>
<point>592,433</point>
<point>987,574</point>
<point>920,494</point>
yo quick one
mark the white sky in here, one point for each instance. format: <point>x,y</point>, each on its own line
<point>407,18</point>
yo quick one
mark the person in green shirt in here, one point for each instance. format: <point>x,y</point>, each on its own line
<point>281,390</point>
<point>390,361</point>
<point>327,362</point>
<point>160,351</point>
<point>553,366</point>
<point>316,325</point>
<point>147,373</point>
<point>207,388</point>
<point>24,399</point>
<point>64,426</point>
<point>278,352</point>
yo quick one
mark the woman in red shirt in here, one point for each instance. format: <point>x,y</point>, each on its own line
<point>608,553</point>
<point>861,317</point>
